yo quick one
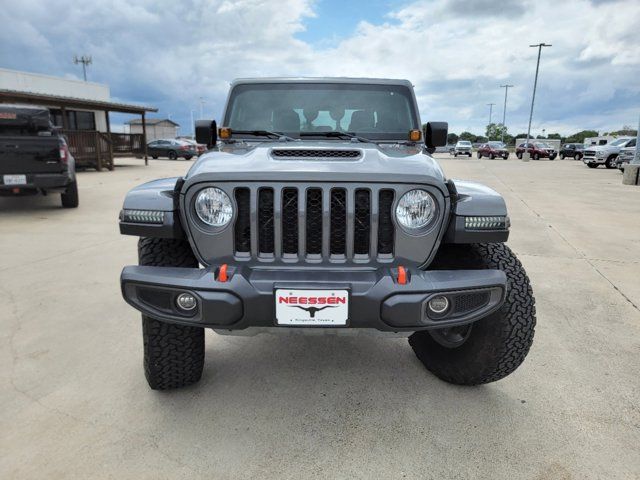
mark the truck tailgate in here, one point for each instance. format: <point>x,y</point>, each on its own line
<point>30,154</point>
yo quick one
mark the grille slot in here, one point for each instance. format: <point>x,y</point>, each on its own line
<point>338,206</point>
<point>362,222</point>
<point>385,223</point>
<point>300,153</point>
<point>265,221</point>
<point>314,221</point>
<point>290,220</point>
<point>243,225</point>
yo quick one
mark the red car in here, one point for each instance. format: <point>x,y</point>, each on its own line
<point>537,150</point>
<point>493,150</point>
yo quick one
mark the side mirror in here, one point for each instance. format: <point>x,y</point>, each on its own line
<point>435,134</point>
<point>207,132</point>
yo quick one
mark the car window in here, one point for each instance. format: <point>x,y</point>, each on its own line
<point>632,143</point>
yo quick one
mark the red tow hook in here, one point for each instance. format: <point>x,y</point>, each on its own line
<point>222,273</point>
<point>403,276</point>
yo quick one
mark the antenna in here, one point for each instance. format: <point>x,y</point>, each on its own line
<point>84,60</point>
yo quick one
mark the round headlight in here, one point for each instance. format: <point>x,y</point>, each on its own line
<point>415,209</point>
<point>214,207</point>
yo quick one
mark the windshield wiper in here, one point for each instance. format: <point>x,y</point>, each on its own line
<point>265,133</point>
<point>336,134</point>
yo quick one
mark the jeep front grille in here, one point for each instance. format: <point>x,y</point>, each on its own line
<point>314,223</point>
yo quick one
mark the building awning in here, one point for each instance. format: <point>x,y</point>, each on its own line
<point>15,96</point>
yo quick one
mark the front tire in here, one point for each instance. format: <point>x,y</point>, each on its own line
<point>611,162</point>
<point>172,155</point>
<point>490,348</point>
<point>592,165</point>
<point>173,354</point>
<point>70,198</point>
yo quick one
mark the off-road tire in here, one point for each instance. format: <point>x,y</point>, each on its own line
<point>173,354</point>
<point>498,343</point>
<point>70,197</point>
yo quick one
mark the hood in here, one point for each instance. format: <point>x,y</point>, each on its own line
<point>317,161</point>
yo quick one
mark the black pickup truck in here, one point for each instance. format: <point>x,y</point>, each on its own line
<point>34,157</point>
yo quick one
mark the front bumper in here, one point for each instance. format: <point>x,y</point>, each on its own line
<point>376,299</point>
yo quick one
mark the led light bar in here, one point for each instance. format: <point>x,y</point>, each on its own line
<point>487,223</point>
<point>143,216</point>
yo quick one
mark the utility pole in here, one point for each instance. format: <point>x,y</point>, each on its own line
<point>504,111</point>
<point>533,97</point>
<point>193,125</point>
<point>202,102</point>
<point>84,60</point>
<point>490,111</point>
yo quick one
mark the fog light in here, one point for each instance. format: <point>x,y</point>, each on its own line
<point>186,302</point>
<point>439,304</point>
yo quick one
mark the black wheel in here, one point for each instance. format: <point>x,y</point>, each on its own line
<point>479,155</point>
<point>493,347</point>
<point>155,157</point>
<point>592,165</point>
<point>577,156</point>
<point>492,156</point>
<point>505,156</point>
<point>519,155</point>
<point>173,354</point>
<point>536,156</point>
<point>552,157</point>
<point>188,157</point>
<point>562,156</point>
<point>611,162</point>
<point>455,155</point>
<point>70,196</point>
<point>172,155</point>
<point>469,154</point>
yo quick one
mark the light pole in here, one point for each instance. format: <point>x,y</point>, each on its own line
<point>193,125</point>
<point>202,102</point>
<point>490,114</point>
<point>533,97</point>
<point>84,60</point>
<point>504,111</point>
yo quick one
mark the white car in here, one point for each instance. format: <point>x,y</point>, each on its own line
<point>595,155</point>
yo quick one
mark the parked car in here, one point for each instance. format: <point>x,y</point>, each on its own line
<point>463,147</point>
<point>606,155</point>
<point>200,148</point>
<point>626,155</point>
<point>34,157</point>
<point>537,150</point>
<point>171,149</point>
<point>282,225</point>
<point>572,150</point>
<point>493,150</point>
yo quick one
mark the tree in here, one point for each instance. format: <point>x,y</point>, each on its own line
<point>579,137</point>
<point>494,131</point>
<point>452,138</point>
<point>625,131</point>
<point>554,136</point>
<point>468,136</point>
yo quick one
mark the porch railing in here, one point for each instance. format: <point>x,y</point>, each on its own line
<point>98,149</point>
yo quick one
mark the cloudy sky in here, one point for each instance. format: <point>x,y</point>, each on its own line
<point>170,54</point>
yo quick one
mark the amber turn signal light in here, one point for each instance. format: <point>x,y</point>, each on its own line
<point>224,133</point>
<point>415,135</point>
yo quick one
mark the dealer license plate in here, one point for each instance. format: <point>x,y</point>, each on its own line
<point>14,179</point>
<point>312,308</point>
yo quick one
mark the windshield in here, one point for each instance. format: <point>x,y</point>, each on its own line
<point>542,145</point>
<point>464,143</point>
<point>496,144</point>
<point>380,112</point>
<point>620,141</point>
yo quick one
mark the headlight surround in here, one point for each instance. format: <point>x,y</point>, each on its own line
<point>214,207</point>
<point>416,209</point>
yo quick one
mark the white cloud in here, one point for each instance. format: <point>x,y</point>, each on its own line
<point>456,53</point>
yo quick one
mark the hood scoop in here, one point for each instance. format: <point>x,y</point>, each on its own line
<point>315,154</point>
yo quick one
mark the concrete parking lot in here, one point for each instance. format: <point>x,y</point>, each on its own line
<point>75,404</point>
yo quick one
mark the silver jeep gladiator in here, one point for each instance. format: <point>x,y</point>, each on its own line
<point>318,206</point>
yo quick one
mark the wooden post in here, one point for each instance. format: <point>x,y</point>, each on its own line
<point>144,139</point>
<point>96,142</point>
<point>111,159</point>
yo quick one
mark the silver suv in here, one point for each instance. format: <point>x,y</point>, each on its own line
<point>463,147</point>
